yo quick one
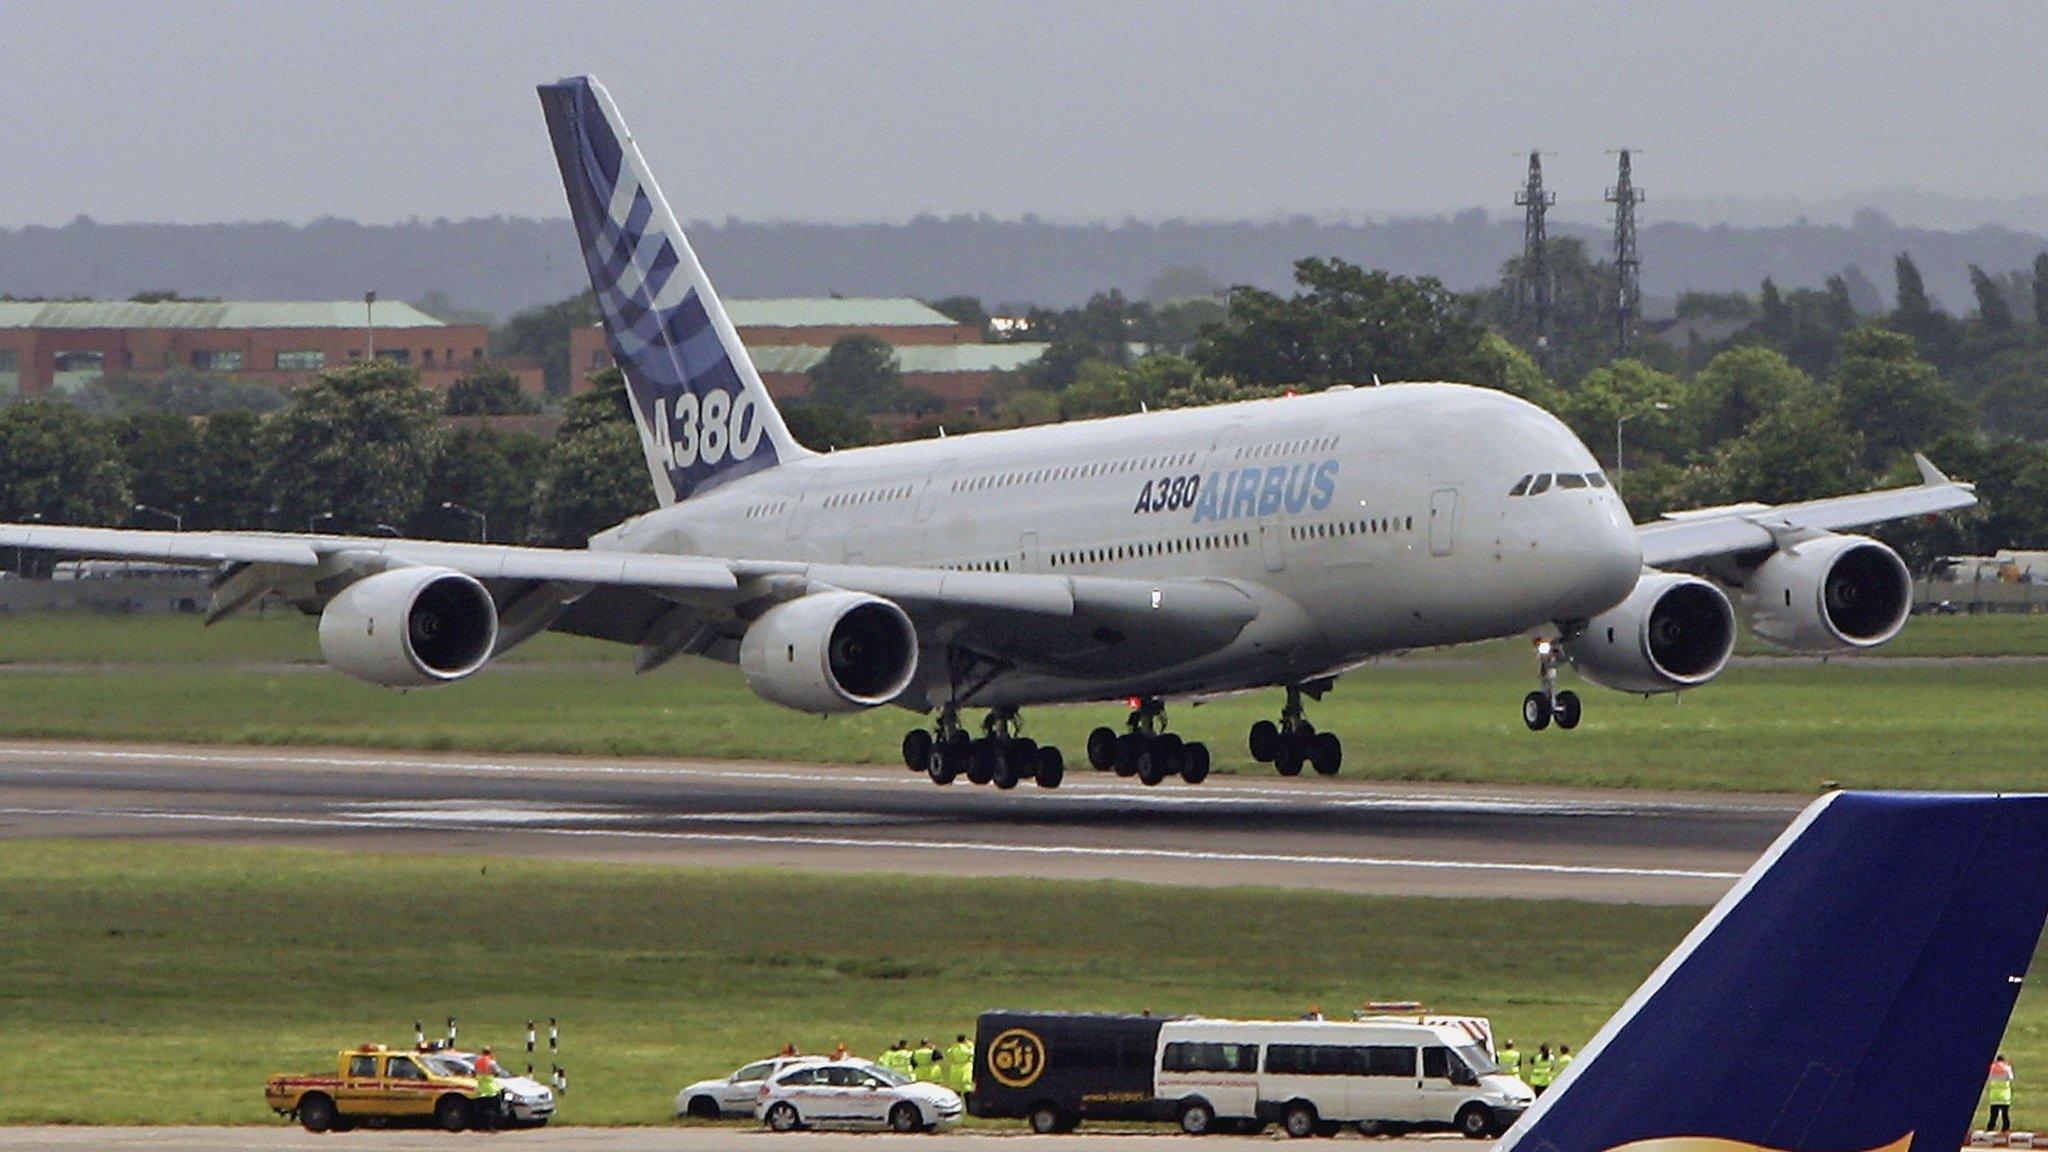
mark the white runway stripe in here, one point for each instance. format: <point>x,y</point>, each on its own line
<point>1073,850</point>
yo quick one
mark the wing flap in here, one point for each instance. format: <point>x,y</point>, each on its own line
<point>1706,534</point>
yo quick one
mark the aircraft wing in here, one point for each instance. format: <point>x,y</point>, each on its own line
<point>671,604</point>
<point>1706,533</point>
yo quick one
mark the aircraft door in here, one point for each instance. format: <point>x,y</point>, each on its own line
<point>1443,521</point>
<point>929,496</point>
<point>1030,558</point>
<point>1273,544</point>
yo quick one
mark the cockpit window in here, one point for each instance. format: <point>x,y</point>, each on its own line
<point>1521,486</point>
<point>1570,480</point>
<point>1541,484</point>
<point>1597,479</point>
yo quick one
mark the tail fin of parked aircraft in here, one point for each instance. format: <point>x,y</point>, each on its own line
<point>703,413</point>
<point>1847,996</point>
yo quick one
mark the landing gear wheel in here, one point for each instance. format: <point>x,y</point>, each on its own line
<point>1052,767</point>
<point>1127,748</point>
<point>904,1118</point>
<point>1194,766</point>
<point>1265,741</point>
<point>453,1114</point>
<point>1299,1121</point>
<point>1171,752</point>
<point>1326,753</point>
<point>1151,766</point>
<point>317,1113</point>
<point>1102,749</point>
<point>783,1118</point>
<point>1536,711</point>
<point>1197,1118</point>
<point>1568,709</point>
<point>982,758</point>
<point>1288,756</point>
<point>917,749</point>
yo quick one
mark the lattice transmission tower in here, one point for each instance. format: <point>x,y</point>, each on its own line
<point>1535,294</point>
<point>1628,266</point>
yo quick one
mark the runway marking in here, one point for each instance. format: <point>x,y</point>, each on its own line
<point>1092,792</point>
<point>1074,850</point>
<point>469,812</point>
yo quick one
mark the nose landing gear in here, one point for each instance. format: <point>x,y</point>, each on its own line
<point>1147,750</point>
<point>1294,742</point>
<point>1003,756</point>
<point>1546,704</point>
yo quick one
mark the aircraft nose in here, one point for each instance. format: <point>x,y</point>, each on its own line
<point>1608,555</point>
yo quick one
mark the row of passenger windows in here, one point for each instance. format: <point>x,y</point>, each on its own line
<point>1178,546</point>
<point>1371,526</point>
<point>1308,1059</point>
<point>1540,482</point>
<point>1286,448</point>
<point>1073,472</point>
<point>870,496</point>
<point>981,566</point>
<point>771,508</point>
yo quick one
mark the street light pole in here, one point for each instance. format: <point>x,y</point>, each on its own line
<point>483,525</point>
<point>177,519</point>
<point>1620,467</point>
<point>313,521</point>
<point>370,325</point>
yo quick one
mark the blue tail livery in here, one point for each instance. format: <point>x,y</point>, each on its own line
<point>1847,996</point>
<point>703,413</point>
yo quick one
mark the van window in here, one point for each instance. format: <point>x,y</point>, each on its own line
<point>1194,1056</point>
<point>1386,1060</point>
<point>1436,1063</point>
<point>1316,1060</point>
<point>362,1066</point>
<point>400,1068</point>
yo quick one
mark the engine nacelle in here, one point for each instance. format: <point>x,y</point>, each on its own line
<point>410,627</point>
<point>830,652</point>
<point>1673,632</point>
<point>1829,594</point>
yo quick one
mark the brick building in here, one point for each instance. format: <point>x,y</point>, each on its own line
<point>63,346</point>
<point>785,337</point>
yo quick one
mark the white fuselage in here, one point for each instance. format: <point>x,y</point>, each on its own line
<point>1363,521</point>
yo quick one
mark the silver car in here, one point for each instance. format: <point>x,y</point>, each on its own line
<point>733,1097</point>
<point>855,1094</point>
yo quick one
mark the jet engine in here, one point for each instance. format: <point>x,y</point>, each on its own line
<point>1673,632</point>
<point>1828,594</point>
<point>830,652</point>
<point>410,627</point>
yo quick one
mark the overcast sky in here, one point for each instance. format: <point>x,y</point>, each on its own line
<point>878,111</point>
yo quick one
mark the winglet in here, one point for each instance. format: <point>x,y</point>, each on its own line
<point>1929,474</point>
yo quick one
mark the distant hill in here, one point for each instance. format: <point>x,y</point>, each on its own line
<point>502,265</point>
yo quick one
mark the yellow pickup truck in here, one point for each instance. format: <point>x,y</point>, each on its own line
<point>379,1085</point>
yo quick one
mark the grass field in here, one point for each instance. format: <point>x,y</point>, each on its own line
<point>192,972</point>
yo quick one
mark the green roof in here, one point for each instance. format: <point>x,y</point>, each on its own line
<point>836,312</point>
<point>209,314</point>
<point>911,359</point>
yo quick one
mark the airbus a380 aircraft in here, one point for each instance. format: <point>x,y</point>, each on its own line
<point>1167,555</point>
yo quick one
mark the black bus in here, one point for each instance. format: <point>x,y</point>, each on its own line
<point>1056,1069</point>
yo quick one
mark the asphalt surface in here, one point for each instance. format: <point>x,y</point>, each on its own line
<point>680,1139</point>
<point>1301,833</point>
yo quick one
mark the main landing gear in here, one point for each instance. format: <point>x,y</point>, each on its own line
<point>1546,704</point>
<point>1147,750</point>
<point>1294,741</point>
<point>1002,756</point>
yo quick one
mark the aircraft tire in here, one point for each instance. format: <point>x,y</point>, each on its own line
<point>1127,748</point>
<point>1568,709</point>
<point>1151,766</point>
<point>982,758</point>
<point>1102,749</point>
<point>1264,741</point>
<point>943,765</point>
<point>1288,756</point>
<point>917,749</point>
<point>1326,753</point>
<point>1194,766</point>
<point>1536,711</point>
<point>1052,767</point>
<point>1170,751</point>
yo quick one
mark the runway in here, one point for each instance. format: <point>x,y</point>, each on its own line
<point>722,1138</point>
<point>1365,838</point>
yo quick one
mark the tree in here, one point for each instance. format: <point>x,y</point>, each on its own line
<point>159,450</point>
<point>858,374</point>
<point>1799,452</point>
<point>489,390</point>
<point>542,336</point>
<point>1892,397</point>
<point>1743,385</point>
<point>1633,389</point>
<point>359,442</point>
<point>58,464</point>
<point>1503,365</point>
<point>1933,330</point>
<point>181,391</point>
<point>230,470</point>
<point>1992,309</point>
<point>824,428</point>
<point>1348,325</point>
<point>2041,291</point>
<point>591,479</point>
<point>485,470</point>
<point>963,310</point>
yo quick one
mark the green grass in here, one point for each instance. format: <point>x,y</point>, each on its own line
<point>196,971</point>
<point>1791,726</point>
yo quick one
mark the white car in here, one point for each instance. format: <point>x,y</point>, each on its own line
<point>528,1102</point>
<point>733,1097</point>
<point>855,1094</point>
